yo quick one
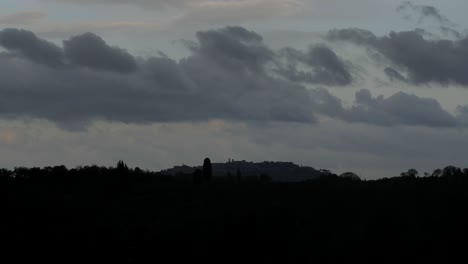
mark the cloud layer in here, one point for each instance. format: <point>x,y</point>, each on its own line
<point>231,74</point>
<point>22,18</point>
<point>86,80</point>
<point>143,3</point>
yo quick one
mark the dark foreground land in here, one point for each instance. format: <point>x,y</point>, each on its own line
<point>131,216</point>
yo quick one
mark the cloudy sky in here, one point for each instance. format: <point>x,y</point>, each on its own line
<point>374,87</point>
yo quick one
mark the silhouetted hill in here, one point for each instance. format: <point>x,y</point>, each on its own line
<point>277,171</point>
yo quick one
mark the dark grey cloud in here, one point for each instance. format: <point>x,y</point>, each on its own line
<point>27,44</point>
<point>423,11</point>
<point>322,63</point>
<point>462,114</point>
<point>394,74</point>
<point>354,35</point>
<point>398,109</point>
<point>425,60</point>
<point>167,74</point>
<point>229,65</point>
<point>86,50</point>
<point>90,50</point>
<point>401,108</point>
<point>229,75</point>
<point>234,47</point>
<point>223,78</point>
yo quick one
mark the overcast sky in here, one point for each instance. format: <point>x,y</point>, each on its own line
<point>374,87</point>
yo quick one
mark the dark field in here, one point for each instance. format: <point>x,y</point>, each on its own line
<point>132,216</point>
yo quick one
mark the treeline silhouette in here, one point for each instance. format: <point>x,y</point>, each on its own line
<point>123,215</point>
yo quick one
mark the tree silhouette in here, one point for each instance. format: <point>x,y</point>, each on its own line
<point>122,167</point>
<point>350,176</point>
<point>197,176</point>
<point>238,174</point>
<point>207,170</point>
<point>437,173</point>
<point>412,173</point>
<point>452,171</point>
<point>123,176</point>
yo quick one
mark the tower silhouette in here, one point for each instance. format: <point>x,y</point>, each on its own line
<point>207,170</point>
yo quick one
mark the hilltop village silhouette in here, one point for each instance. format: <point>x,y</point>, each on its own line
<point>267,170</point>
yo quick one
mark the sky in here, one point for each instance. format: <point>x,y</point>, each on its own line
<point>373,87</point>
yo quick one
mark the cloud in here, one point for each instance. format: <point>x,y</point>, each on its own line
<point>355,35</point>
<point>424,11</point>
<point>27,44</point>
<point>90,50</point>
<point>197,14</point>
<point>441,61</point>
<point>230,65</point>
<point>142,3</point>
<point>394,74</point>
<point>8,137</point>
<point>22,18</point>
<point>207,13</point>
<point>323,66</point>
<point>224,78</point>
<point>70,29</point>
<point>234,47</point>
<point>191,4</point>
<point>230,75</point>
<point>462,114</point>
<point>398,109</point>
<point>86,50</point>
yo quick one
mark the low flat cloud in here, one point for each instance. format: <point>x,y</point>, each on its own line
<point>207,13</point>
<point>181,4</point>
<point>22,18</point>
<point>197,13</point>
<point>142,3</point>
<point>65,30</point>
